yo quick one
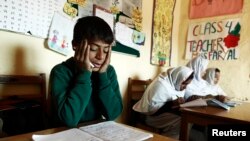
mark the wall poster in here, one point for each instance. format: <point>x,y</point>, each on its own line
<point>209,8</point>
<point>29,17</point>
<point>217,40</point>
<point>162,32</point>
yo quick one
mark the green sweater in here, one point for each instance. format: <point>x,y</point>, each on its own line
<point>84,96</point>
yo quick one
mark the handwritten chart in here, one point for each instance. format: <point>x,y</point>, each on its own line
<point>27,17</point>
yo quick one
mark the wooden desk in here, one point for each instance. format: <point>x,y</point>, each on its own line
<point>213,115</point>
<point>27,136</point>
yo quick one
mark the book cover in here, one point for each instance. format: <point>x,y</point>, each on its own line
<point>217,103</point>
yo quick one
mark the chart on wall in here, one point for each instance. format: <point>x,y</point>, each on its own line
<point>31,17</point>
<point>161,32</point>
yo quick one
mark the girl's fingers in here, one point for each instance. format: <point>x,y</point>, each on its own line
<point>83,46</point>
<point>77,52</point>
<point>86,53</point>
<point>109,55</point>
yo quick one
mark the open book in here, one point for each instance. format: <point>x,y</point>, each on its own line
<point>104,131</point>
<point>194,103</point>
<point>208,102</point>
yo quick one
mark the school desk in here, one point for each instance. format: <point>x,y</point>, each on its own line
<point>213,115</point>
<point>28,136</point>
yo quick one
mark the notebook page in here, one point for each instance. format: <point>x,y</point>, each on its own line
<point>194,103</point>
<point>67,135</point>
<point>112,131</point>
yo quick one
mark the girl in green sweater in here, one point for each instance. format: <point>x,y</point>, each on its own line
<point>85,87</point>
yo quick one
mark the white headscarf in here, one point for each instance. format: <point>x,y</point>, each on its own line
<point>215,88</point>
<point>210,75</point>
<point>198,86</point>
<point>199,65</point>
<point>164,88</point>
<point>177,75</point>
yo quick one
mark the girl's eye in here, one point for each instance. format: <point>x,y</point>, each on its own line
<point>106,50</point>
<point>93,48</point>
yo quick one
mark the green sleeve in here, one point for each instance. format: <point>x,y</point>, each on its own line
<point>70,98</point>
<point>110,95</point>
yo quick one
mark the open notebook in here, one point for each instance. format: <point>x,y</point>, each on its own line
<point>208,102</point>
<point>194,103</point>
<point>104,131</point>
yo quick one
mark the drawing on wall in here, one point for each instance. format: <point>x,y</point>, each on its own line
<point>127,12</point>
<point>162,32</point>
<point>217,40</point>
<point>209,8</point>
<point>34,18</point>
<point>61,34</point>
<point>130,40</point>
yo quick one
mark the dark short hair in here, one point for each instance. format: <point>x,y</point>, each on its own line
<point>92,28</point>
<point>217,70</point>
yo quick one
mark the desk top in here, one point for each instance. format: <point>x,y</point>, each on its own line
<point>239,114</point>
<point>28,136</point>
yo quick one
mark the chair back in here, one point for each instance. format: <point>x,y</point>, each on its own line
<point>23,102</point>
<point>136,89</point>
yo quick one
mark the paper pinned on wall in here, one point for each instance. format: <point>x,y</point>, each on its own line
<point>61,34</point>
<point>210,8</point>
<point>105,14</point>
<point>128,36</point>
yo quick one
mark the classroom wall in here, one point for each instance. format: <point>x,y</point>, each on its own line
<point>21,54</point>
<point>235,74</point>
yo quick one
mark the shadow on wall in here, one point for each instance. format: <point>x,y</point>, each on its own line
<point>22,118</point>
<point>19,66</point>
<point>16,67</point>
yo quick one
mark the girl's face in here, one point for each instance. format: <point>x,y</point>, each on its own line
<point>216,77</point>
<point>97,53</point>
<point>203,74</point>
<point>184,84</point>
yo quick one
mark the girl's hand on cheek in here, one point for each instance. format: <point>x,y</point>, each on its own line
<point>82,56</point>
<point>106,62</point>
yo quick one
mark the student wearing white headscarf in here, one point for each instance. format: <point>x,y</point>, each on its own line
<point>212,76</point>
<point>200,88</point>
<point>161,98</point>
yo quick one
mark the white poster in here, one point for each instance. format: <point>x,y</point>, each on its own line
<point>30,17</point>
<point>217,40</point>
<point>61,34</point>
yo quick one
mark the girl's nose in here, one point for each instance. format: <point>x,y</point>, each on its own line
<point>100,54</point>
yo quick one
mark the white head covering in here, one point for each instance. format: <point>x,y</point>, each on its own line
<point>215,88</point>
<point>210,75</point>
<point>177,75</point>
<point>198,86</point>
<point>199,65</point>
<point>164,88</point>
